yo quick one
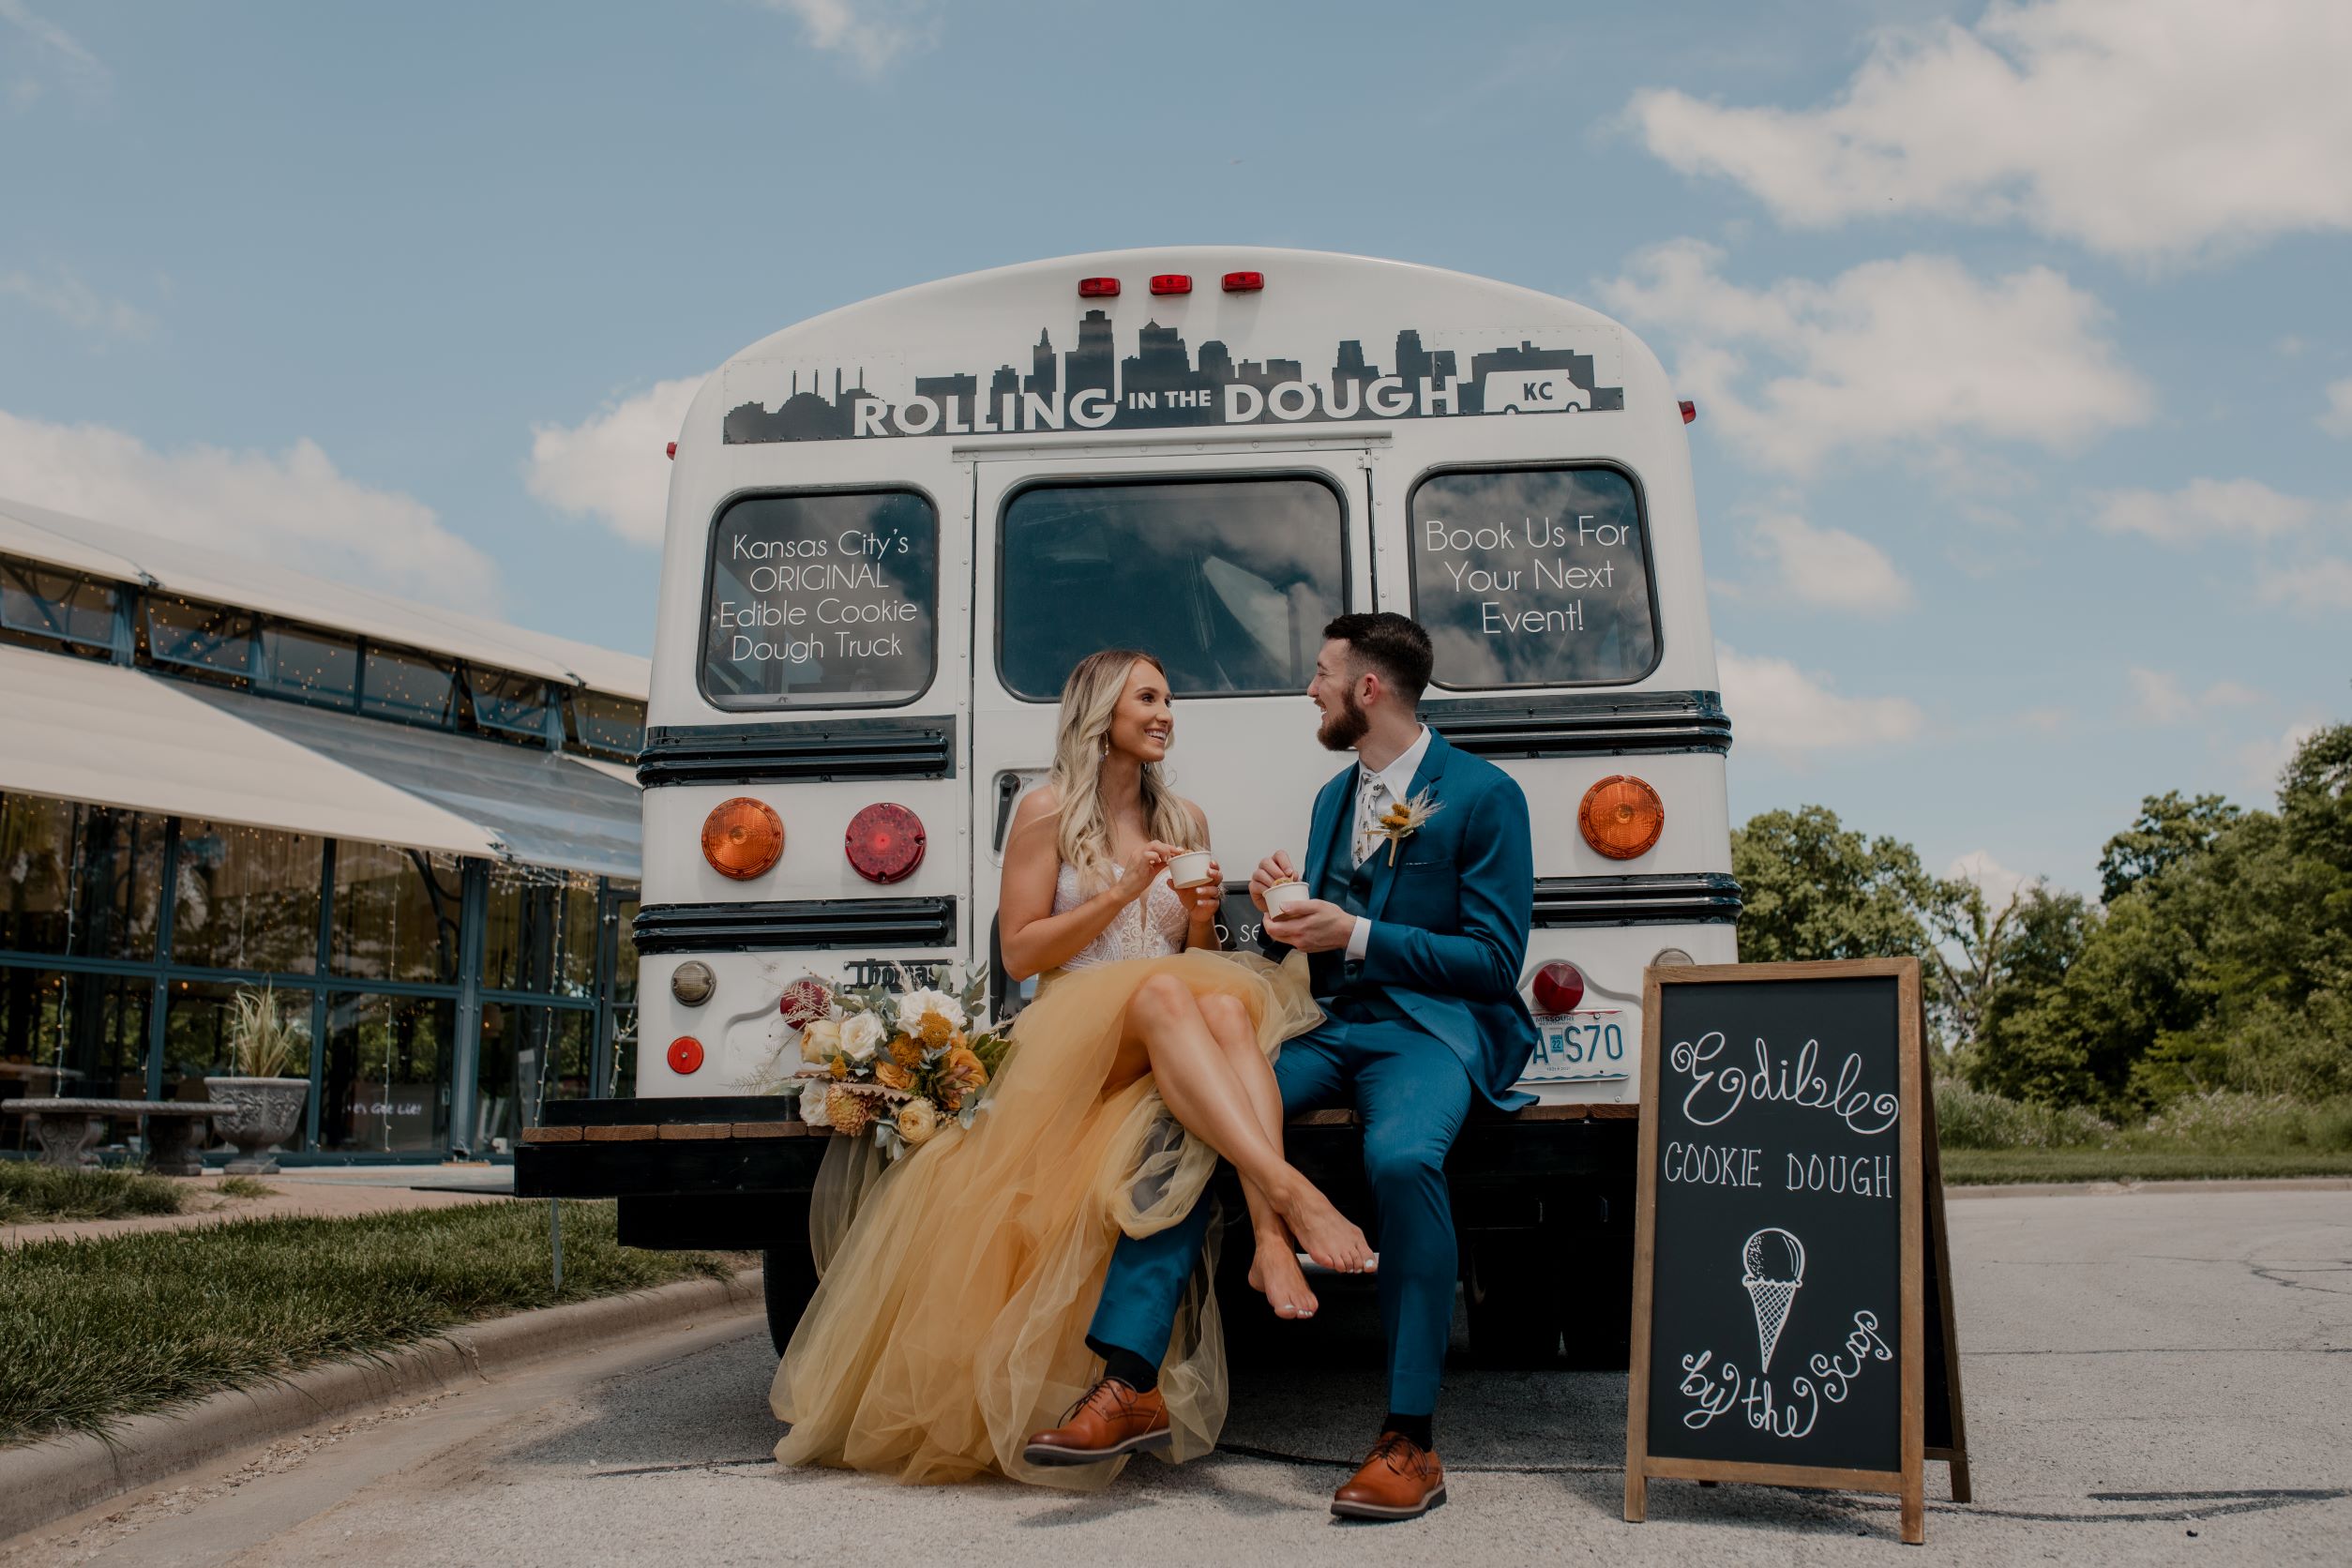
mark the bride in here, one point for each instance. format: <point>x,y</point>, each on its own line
<point>950,1321</point>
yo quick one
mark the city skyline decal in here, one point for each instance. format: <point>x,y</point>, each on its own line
<point>1091,387</point>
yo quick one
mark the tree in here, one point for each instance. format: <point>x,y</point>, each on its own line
<point>1814,890</point>
<point>1991,967</point>
<point>2167,831</point>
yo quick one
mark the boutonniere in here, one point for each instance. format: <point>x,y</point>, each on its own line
<point>1404,818</point>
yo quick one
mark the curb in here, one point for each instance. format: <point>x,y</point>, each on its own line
<point>48,1480</point>
<point>2127,1188</point>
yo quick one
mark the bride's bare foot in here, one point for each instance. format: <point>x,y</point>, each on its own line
<point>1324,1233</point>
<point>1276,1274</point>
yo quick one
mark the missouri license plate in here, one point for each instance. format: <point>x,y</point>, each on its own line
<point>1580,1047</point>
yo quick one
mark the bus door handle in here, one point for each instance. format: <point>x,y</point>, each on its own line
<point>1008,788</point>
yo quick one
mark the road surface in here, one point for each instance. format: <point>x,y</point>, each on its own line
<point>2161,1376</point>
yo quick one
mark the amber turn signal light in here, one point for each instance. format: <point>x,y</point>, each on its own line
<point>1621,817</point>
<point>742,837</point>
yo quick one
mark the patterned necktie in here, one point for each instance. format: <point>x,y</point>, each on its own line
<point>1371,801</point>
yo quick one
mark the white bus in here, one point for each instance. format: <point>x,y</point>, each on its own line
<point>893,529</point>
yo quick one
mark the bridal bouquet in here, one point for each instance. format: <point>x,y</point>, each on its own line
<point>894,1061</point>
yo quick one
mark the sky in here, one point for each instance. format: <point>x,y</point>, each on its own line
<point>2018,333</point>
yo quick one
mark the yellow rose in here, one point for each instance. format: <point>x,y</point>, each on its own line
<point>891,1075</point>
<point>917,1120</point>
<point>821,1041</point>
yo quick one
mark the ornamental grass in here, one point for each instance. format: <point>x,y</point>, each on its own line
<point>94,1332</point>
<point>31,1193</point>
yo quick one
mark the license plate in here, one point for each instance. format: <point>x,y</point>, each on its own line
<point>1579,1047</point>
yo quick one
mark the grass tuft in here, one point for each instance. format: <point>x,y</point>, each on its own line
<point>2005,1166</point>
<point>245,1186</point>
<point>94,1331</point>
<point>31,1193</point>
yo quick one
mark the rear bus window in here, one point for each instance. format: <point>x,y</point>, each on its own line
<point>1533,577</point>
<point>1228,583</point>
<point>826,600</point>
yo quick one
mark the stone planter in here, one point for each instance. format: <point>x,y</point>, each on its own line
<point>256,1114</point>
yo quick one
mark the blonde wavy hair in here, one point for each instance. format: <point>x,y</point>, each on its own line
<point>1089,697</point>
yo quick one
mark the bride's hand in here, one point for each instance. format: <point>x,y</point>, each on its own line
<point>1202,901</point>
<point>1150,865</point>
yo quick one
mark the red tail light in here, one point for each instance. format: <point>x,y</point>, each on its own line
<point>1558,986</point>
<point>1170,283</point>
<point>1244,283</point>
<point>1097,288</point>
<point>686,1055</point>
<point>885,843</point>
<point>1690,409</point>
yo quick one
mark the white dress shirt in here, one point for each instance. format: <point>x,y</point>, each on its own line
<point>1375,794</point>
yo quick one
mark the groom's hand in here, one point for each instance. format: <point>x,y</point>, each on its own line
<point>1317,926</point>
<point>1274,868</point>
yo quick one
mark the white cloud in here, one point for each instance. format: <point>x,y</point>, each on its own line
<point>53,40</point>
<point>2315,586</point>
<point>78,305</point>
<point>1828,566</point>
<point>2338,419</point>
<point>613,464</point>
<point>1998,882</point>
<point>2260,763</point>
<point>2137,127</point>
<point>294,507</point>
<point>2201,509</point>
<point>869,34</point>
<point>1915,349</point>
<point>2159,697</point>
<point>1793,714</point>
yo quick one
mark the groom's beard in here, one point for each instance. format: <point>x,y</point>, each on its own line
<point>1341,731</point>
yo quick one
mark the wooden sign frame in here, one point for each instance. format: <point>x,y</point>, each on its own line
<point>1922,1227</point>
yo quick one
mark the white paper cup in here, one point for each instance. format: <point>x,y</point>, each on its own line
<point>1189,869</point>
<point>1285,895</point>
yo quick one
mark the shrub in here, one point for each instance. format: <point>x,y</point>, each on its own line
<point>1973,1119</point>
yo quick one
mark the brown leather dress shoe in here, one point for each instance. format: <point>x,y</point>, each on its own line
<point>1111,1420</point>
<point>1401,1480</point>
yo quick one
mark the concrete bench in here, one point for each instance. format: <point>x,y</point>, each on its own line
<point>68,1130</point>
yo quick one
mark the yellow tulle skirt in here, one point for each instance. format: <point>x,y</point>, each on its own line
<point>951,1320</point>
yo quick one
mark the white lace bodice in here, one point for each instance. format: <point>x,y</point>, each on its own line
<point>1152,927</point>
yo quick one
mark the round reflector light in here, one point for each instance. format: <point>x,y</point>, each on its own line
<point>1621,817</point>
<point>742,837</point>
<point>885,843</point>
<point>1671,956</point>
<point>1558,986</point>
<point>692,982</point>
<point>686,1055</point>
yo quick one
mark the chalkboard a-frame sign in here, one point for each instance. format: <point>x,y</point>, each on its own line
<point>1792,1297</point>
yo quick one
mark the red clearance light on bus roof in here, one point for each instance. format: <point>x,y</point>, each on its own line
<point>1244,283</point>
<point>1690,409</point>
<point>674,450</point>
<point>1170,283</point>
<point>1097,288</point>
<point>885,843</point>
<point>1558,986</point>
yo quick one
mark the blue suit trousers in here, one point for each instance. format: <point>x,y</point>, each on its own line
<point>1411,1092</point>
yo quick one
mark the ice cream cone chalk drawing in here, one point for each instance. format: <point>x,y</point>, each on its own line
<point>1774,1269</point>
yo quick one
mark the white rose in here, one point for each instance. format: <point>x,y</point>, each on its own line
<point>820,1040</point>
<point>916,1005</point>
<point>812,1103</point>
<point>861,1035</point>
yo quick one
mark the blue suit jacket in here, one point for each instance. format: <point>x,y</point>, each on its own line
<point>1449,919</point>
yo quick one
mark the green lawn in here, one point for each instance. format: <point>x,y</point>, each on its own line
<point>1990,1167</point>
<point>92,1331</point>
<point>30,1193</point>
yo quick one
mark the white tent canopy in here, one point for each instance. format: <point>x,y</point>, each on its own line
<point>79,730</point>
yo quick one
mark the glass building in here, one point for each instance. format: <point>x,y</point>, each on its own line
<point>416,831</point>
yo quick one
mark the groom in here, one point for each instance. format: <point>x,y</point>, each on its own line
<point>1415,941</point>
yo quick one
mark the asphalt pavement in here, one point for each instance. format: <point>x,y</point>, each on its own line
<point>2157,1376</point>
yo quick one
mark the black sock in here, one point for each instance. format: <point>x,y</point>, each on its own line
<point>1412,1428</point>
<point>1125,1366</point>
